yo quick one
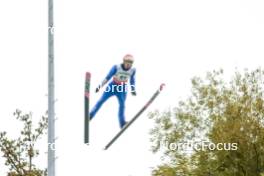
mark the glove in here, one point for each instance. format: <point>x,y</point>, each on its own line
<point>97,89</point>
<point>134,93</point>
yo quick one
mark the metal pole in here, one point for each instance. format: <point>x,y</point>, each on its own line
<point>51,100</point>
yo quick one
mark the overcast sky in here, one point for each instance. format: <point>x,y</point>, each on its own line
<point>171,40</point>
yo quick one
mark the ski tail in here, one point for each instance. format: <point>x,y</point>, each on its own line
<point>154,96</point>
<point>86,107</point>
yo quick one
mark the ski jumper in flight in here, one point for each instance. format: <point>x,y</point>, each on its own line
<point>120,75</point>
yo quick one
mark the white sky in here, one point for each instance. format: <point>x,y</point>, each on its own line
<point>172,41</point>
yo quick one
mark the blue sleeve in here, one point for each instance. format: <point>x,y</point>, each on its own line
<point>111,73</point>
<point>132,81</point>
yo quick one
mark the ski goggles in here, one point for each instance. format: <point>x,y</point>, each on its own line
<point>128,61</point>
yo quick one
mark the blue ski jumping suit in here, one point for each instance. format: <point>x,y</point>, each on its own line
<point>117,87</point>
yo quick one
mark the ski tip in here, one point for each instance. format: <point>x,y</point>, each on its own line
<point>105,148</point>
<point>162,86</point>
<point>88,74</point>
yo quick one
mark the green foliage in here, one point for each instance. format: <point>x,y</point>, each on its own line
<point>19,153</point>
<point>164,170</point>
<point>219,112</point>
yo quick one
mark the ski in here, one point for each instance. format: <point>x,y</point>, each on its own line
<point>154,96</point>
<point>86,107</point>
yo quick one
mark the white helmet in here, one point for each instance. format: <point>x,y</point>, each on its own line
<point>129,58</point>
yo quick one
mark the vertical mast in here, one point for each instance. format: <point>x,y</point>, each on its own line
<point>51,100</point>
